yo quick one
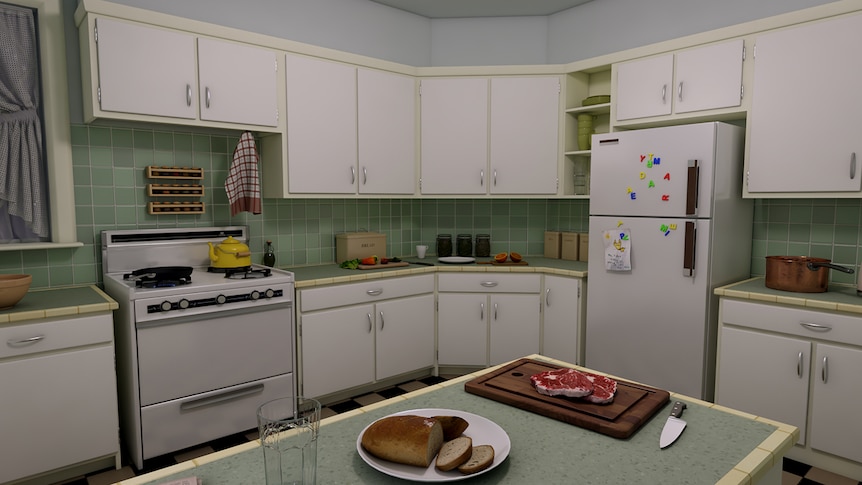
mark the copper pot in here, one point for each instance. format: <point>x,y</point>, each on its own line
<point>800,273</point>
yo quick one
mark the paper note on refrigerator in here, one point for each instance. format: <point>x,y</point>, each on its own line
<point>618,249</point>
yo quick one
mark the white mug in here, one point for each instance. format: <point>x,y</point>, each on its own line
<point>420,251</point>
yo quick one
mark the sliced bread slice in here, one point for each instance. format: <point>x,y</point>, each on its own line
<point>454,453</point>
<point>481,458</point>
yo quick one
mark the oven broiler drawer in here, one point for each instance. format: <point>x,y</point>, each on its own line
<point>178,424</point>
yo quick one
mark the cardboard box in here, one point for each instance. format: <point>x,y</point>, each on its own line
<point>553,248</point>
<point>358,245</point>
<point>584,250</point>
<point>570,246</point>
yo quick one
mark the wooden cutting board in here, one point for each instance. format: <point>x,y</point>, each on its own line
<point>383,266</point>
<point>632,406</point>
<point>507,263</point>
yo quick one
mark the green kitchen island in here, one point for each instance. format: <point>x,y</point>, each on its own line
<point>719,445</point>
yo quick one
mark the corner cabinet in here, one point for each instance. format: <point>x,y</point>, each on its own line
<point>796,366</point>
<point>804,143</point>
<point>479,134</point>
<point>561,320</point>
<point>135,71</point>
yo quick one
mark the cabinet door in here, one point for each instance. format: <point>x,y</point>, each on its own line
<point>514,327</point>
<point>337,349</point>
<point>803,139</point>
<point>644,87</point>
<point>57,410</point>
<point>462,329</point>
<point>321,126</point>
<point>525,118</point>
<point>237,83</point>
<point>405,335</point>
<point>387,133</point>
<point>764,374</point>
<point>709,77</point>
<point>560,326</point>
<point>835,426</point>
<point>146,70</point>
<point>454,134</point>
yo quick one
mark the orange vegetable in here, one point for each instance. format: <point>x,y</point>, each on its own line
<point>515,257</point>
<point>370,260</point>
<point>501,257</point>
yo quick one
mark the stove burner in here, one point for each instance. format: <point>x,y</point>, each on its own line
<point>242,273</point>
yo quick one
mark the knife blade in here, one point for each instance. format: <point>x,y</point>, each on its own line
<point>674,425</point>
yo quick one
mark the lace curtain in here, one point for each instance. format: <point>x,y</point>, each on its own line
<point>23,194</point>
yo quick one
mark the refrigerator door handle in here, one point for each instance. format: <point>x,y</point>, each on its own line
<point>689,252</point>
<point>692,188</point>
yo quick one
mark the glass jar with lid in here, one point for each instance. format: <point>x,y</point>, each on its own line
<point>465,245</point>
<point>444,245</point>
<point>483,245</point>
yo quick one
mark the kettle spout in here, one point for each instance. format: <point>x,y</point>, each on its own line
<point>213,255</point>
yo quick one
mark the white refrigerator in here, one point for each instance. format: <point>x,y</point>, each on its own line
<point>667,226</point>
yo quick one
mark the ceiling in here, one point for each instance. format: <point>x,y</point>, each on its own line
<point>436,9</point>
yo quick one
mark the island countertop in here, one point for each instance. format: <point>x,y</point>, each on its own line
<point>719,446</point>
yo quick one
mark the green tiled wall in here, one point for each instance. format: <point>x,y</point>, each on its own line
<point>110,193</point>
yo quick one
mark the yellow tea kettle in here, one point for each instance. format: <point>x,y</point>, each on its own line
<point>230,254</point>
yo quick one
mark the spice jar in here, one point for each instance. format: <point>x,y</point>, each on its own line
<point>483,245</point>
<point>465,245</point>
<point>444,245</point>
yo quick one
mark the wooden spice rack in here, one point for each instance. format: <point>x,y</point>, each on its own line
<point>175,190</point>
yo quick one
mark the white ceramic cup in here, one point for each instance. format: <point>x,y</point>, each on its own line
<point>421,250</point>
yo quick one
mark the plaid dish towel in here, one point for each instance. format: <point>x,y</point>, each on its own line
<point>243,183</point>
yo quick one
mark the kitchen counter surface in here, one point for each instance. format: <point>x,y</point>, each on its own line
<point>837,298</point>
<point>718,446</point>
<point>325,274</point>
<point>58,302</point>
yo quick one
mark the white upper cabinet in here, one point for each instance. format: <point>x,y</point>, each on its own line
<point>698,79</point>
<point>321,126</point>
<point>143,70</point>
<point>804,122</point>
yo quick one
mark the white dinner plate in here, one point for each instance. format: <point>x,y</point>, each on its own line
<point>456,259</point>
<point>483,431</point>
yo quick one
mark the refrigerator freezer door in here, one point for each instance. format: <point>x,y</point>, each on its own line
<point>664,172</point>
<point>648,324</point>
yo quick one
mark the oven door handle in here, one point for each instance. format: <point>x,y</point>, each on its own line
<point>222,397</point>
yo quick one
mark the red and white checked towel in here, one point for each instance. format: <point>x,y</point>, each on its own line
<point>243,183</point>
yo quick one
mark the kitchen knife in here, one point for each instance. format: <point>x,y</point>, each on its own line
<point>674,425</point>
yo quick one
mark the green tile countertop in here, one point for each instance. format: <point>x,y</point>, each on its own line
<point>58,302</point>
<point>837,298</point>
<point>325,274</point>
<point>719,445</point>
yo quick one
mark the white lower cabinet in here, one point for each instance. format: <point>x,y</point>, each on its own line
<point>561,305</point>
<point>486,318</point>
<point>58,395</point>
<point>800,367</point>
<point>384,329</point>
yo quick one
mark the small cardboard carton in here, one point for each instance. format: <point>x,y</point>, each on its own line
<point>570,246</point>
<point>553,245</point>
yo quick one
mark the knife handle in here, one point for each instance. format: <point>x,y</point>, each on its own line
<point>678,407</point>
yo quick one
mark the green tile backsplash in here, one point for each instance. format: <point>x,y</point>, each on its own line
<point>110,193</point>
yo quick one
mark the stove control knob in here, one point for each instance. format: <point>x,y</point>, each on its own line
<point>255,295</point>
<point>166,306</point>
<point>269,293</point>
<point>221,299</point>
<point>183,304</point>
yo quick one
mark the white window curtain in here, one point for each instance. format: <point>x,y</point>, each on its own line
<point>23,193</point>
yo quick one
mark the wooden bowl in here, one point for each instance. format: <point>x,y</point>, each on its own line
<point>13,287</point>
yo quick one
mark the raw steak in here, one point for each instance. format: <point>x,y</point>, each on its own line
<point>562,382</point>
<point>604,389</point>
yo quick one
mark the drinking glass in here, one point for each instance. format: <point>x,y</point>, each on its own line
<point>289,428</point>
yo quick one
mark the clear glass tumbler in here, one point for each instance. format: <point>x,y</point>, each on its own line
<point>289,428</point>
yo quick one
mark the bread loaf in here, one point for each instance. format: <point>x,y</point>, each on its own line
<point>481,458</point>
<point>407,439</point>
<point>453,426</point>
<point>454,453</point>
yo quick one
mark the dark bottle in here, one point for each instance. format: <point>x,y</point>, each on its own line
<point>483,245</point>
<point>269,255</point>
<point>444,245</point>
<point>465,245</point>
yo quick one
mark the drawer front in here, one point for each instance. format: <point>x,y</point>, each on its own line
<point>822,325</point>
<point>365,292</point>
<point>17,340</point>
<point>490,283</point>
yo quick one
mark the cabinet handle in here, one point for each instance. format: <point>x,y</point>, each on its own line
<point>188,94</point>
<point>852,165</point>
<point>370,322</point>
<point>799,365</point>
<point>824,372</point>
<point>664,93</point>
<point>376,292</point>
<point>495,177</point>
<point>227,396</point>
<point>382,323</point>
<point>482,312</point>
<point>364,175</point>
<point>25,341</point>
<point>548,297</point>
<point>352,175</point>
<point>679,91</point>
<point>209,96</point>
<point>482,178</point>
<point>495,311</point>
<point>489,284</point>
<point>816,326</point>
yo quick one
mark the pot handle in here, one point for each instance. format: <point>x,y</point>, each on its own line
<point>814,266</point>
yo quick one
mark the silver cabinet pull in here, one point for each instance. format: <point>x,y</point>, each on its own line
<point>188,94</point>
<point>482,178</point>
<point>495,177</point>
<point>799,365</point>
<point>817,327</point>
<point>382,323</point>
<point>824,372</point>
<point>209,96</point>
<point>364,175</point>
<point>489,284</point>
<point>548,297</point>
<point>370,322</point>
<point>352,175</point>
<point>226,396</point>
<point>25,341</point>
<point>376,292</point>
<point>482,311</point>
<point>679,91</point>
<point>495,311</point>
<point>664,93</point>
<point>852,165</point>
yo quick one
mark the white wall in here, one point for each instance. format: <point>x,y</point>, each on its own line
<point>489,41</point>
